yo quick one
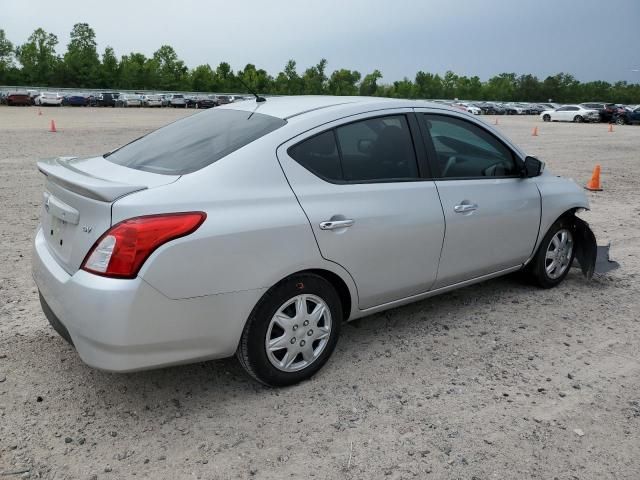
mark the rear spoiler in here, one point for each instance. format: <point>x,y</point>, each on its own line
<point>61,171</point>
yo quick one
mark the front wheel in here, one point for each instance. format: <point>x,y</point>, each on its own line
<point>555,255</point>
<point>292,331</point>
<point>620,121</point>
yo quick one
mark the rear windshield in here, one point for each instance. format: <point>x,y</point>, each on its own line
<point>194,142</point>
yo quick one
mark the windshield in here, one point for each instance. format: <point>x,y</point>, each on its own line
<point>194,142</point>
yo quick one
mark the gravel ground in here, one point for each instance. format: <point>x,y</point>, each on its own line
<point>499,380</point>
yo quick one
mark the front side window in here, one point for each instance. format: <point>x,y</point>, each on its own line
<point>465,150</point>
<point>376,149</point>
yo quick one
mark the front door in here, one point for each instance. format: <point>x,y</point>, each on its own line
<point>492,214</point>
<point>359,184</point>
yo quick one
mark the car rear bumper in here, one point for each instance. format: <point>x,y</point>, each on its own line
<point>126,325</point>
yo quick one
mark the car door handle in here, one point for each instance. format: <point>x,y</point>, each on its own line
<point>465,207</point>
<point>335,224</point>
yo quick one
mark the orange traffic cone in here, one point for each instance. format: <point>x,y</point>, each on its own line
<point>52,128</point>
<point>535,132</point>
<point>611,128</point>
<point>594,183</point>
<point>39,112</point>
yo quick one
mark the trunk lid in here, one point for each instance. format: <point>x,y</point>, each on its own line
<point>77,200</point>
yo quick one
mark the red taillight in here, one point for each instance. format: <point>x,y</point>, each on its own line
<point>121,251</point>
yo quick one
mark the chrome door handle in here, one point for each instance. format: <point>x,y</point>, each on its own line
<point>465,207</point>
<point>335,224</point>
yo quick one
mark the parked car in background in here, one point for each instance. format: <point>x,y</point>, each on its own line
<point>152,100</point>
<point>605,110</point>
<point>205,102</point>
<point>571,113</point>
<point>107,99</point>
<point>48,99</point>
<point>257,232</point>
<point>490,108</point>
<point>166,99</point>
<point>76,100</point>
<point>513,109</point>
<point>551,106</point>
<point>128,100</point>
<point>627,116</point>
<point>468,107</point>
<point>190,101</point>
<point>177,100</point>
<point>535,109</point>
<point>223,99</point>
<point>19,99</point>
<point>33,94</point>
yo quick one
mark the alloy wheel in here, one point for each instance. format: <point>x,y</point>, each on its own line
<point>298,333</point>
<point>559,253</point>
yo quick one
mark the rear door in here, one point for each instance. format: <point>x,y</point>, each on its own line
<point>360,184</point>
<point>492,215</point>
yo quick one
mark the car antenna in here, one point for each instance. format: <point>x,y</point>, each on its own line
<point>259,99</point>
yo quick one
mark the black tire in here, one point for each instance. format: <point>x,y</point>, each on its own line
<point>252,353</point>
<point>620,121</point>
<point>578,119</point>
<point>537,268</point>
<point>546,118</point>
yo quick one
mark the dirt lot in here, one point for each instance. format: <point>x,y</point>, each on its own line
<point>496,381</point>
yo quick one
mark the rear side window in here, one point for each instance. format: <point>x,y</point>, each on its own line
<point>376,149</point>
<point>194,142</point>
<point>319,154</point>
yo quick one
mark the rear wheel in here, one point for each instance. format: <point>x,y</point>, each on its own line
<point>620,121</point>
<point>578,119</point>
<point>292,331</point>
<point>546,118</point>
<point>555,255</point>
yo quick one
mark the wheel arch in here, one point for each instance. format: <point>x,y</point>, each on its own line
<point>586,245</point>
<point>341,288</point>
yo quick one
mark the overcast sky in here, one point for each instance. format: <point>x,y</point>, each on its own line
<point>591,39</point>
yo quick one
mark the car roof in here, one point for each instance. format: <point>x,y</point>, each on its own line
<point>292,106</point>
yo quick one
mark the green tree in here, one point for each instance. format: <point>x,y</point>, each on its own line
<point>38,57</point>
<point>343,82</point>
<point>202,78</point>
<point>501,87</point>
<point>137,71</point>
<point>224,77</point>
<point>294,82</point>
<point>403,89</point>
<point>449,82</point>
<point>109,69</point>
<point>561,87</point>
<point>257,80</point>
<point>172,72</point>
<point>81,61</point>
<point>428,85</point>
<point>6,55</point>
<point>315,79</point>
<point>369,84</point>
<point>527,88</point>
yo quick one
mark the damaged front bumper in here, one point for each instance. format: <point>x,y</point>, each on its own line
<point>586,246</point>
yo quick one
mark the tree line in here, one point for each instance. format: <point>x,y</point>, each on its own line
<point>36,62</point>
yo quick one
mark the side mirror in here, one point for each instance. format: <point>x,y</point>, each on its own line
<point>532,167</point>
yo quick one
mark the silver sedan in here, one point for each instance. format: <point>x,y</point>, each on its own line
<point>258,228</point>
